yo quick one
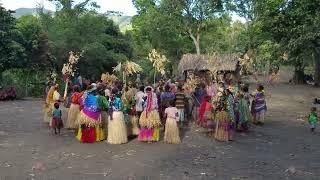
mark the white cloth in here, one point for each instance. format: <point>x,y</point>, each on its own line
<point>139,101</point>
<point>56,96</point>
<point>172,113</point>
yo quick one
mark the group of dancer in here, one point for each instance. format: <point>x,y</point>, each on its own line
<point>114,112</point>
<point>103,112</point>
<point>224,110</point>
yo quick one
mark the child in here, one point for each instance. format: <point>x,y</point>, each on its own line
<point>313,119</point>
<point>171,134</point>
<point>244,114</point>
<point>259,106</point>
<point>56,118</point>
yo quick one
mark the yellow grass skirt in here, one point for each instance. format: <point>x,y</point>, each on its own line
<point>152,121</point>
<point>171,134</point>
<point>73,114</point>
<point>117,130</point>
<point>48,109</point>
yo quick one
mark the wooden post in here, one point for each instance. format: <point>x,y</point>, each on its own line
<point>66,89</point>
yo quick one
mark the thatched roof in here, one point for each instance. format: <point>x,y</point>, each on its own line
<point>225,62</point>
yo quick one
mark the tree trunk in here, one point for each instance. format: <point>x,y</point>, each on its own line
<point>196,41</point>
<point>298,77</point>
<point>316,57</point>
<point>1,72</point>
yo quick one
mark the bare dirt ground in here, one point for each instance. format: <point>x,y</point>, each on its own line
<point>282,149</point>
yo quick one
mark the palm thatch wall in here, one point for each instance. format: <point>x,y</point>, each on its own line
<point>213,63</point>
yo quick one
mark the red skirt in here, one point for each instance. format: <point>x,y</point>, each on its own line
<point>57,123</point>
<point>88,135</point>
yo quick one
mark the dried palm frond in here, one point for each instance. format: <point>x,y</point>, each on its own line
<point>118,68</point>
<point>192,82</point>
<point>108,78</point>
<point>131,68</point>
<point>159,61</point>
<point>247,63</point>
<point>68,68</point>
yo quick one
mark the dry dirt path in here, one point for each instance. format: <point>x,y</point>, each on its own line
<point>282,149</point>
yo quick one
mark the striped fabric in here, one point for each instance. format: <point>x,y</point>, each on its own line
<point>260,102</point>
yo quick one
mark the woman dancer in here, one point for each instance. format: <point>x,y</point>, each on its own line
<point>117,130</point>
<point>150,119</point>
<point>223,116</point>
<point>90,120</point>
<point>52,98</point>
<point>74,110</point>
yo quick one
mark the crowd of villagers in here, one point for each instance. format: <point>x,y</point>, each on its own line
<point>114,112</point>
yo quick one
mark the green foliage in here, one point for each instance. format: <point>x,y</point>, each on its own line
<point>294,25</point>
<point>28,83</point>
<point>11,51</point>
<point>76,28</point>
<point>34,40</point>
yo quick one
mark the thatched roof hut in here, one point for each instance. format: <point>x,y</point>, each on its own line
<point>218,63</point>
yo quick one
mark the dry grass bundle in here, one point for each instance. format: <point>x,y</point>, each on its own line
<point>159,61</point>
<point>128,67</point>
<point>68,68</point>
<point>131,68</point>
<point>108,78</point>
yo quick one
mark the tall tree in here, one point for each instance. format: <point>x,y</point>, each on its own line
<point>75,27</point>
<point>11,52</point>
<point>34,40</point>
<point>294,24</point>
<point>187,17</point>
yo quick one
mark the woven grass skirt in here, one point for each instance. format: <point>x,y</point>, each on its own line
<point>171,134</point>
<point>134,127</point>
<point>84,119</point>
<point>150,121</point>
<point>73,113</point>
<point>117,130</point>
<point>224,128</point>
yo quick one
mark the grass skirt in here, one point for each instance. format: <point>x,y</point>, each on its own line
<point>171,134</point>
<point>117,130</point>
<point>152,121</point>
<point>90,134</point>
<point>73,114</point>
<point>149,135</point>
<point>224,127</point>
<point>134,126</point>
<point>86,120</point>
<point>48,113</point>
<point>104,122</point>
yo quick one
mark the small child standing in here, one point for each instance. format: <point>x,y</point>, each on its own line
<point>259,106</point>
<point>171,134</point>
<point>313,119</point>
<point>57,123</point>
